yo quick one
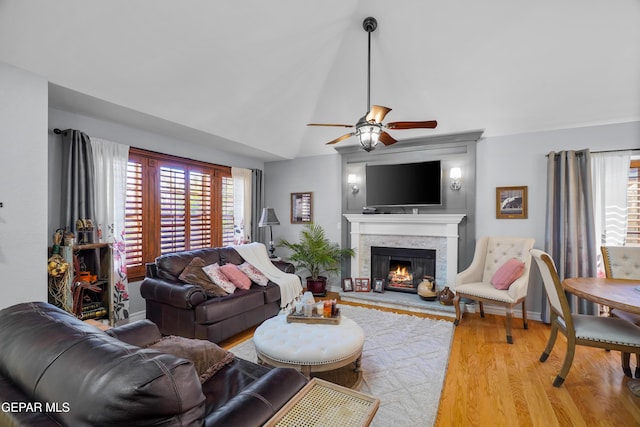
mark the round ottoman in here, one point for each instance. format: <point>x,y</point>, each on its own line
<point>309,347</point>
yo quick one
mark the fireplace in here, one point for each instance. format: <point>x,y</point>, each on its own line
<point>402,268</point>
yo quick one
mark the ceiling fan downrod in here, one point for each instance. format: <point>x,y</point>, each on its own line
<point>369,24</point>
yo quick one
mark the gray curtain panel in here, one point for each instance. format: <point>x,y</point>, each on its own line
<point>257,202</point>
<point>570,227</point>
<point>77,178</point>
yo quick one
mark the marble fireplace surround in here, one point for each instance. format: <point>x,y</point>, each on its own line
<point>418,231</point>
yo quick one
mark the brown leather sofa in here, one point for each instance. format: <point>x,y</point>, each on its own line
<point>56,370</point>
<point>184,309</point>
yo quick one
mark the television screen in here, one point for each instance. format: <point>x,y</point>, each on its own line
<point>404,184</point>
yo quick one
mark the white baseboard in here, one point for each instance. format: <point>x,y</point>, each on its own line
<point>138,315</point>
<point>500,311</point>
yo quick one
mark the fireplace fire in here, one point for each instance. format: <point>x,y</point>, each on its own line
<point>402,268</point>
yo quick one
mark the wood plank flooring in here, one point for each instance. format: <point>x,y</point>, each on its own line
<point>490,382</point>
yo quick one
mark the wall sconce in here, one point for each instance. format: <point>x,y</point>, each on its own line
<point>352,180</point>
<point>454,176</point>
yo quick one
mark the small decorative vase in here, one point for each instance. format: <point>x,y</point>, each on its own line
<point>426,289</point>
<point>446,296</point>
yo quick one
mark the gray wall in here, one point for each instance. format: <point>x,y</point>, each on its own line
<point>23,173</point>
<point>500,161</point>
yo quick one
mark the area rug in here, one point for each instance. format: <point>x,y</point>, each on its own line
<point>404,363</point>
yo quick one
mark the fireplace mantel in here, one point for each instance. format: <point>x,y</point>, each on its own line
<point>416,225</point>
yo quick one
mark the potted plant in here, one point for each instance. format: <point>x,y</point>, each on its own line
<point>316,254</point>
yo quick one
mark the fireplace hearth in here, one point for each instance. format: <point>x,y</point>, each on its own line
<point>402,269</point>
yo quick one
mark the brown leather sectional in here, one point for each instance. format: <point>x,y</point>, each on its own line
<point>56,370</point>
<point>184,309</point>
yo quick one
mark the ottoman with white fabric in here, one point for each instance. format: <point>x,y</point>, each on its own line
<point>309,347</point>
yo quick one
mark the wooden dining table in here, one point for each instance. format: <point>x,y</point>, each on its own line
<point>623,294</point>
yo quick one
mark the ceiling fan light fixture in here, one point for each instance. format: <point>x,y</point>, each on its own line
<point>369,136</point>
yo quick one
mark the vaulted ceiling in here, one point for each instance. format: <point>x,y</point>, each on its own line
<point>247,75</point>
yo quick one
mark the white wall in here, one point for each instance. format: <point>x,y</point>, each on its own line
<point>319,175</point>
<point>23,192</point>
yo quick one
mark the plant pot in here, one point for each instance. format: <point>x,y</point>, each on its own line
<point>318,287</point>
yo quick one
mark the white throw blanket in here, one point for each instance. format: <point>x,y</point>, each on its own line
<point>256,255</point>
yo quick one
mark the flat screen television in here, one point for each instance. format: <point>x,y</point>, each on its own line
<point>404,184</point>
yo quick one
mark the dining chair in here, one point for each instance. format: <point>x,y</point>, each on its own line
<point>609,333</point>
<point>498,274</point>
<point>623,262</point>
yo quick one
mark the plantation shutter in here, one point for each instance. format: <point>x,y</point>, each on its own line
<point>133,218</point>
<point>200,226</point>
<point>633,205</point>
<point>173,209</point>
<point>227,211</point>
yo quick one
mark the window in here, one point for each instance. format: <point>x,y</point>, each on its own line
<point>174,204</point>
<point>633,205</point>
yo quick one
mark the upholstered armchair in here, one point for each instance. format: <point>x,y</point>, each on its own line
<point>623,262</point>
<point>498,262</point>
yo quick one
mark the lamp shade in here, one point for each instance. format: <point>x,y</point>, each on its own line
<point>268,217</point>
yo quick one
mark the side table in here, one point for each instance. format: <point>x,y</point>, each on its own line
<point>321,403</point>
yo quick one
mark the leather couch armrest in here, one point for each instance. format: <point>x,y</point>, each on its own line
<point>180,295</point>
<point>141,333</point>
<point>285,266</point>
<point>265,397</point>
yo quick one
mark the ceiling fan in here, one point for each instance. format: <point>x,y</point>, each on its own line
<point>369,129</point>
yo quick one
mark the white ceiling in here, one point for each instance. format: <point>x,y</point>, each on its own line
<point>248,75</point>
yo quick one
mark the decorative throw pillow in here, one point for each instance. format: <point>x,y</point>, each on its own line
<point>206,356</point>
<point>218,277</point>
<point>194,274</point>
<point>507,274</point>
<point>254,274</point>
<point>237,277</point>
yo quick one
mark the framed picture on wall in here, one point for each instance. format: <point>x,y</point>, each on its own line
<point>511,202</point>
<point>301,208</point>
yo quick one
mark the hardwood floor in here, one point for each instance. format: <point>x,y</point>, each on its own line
<point>490,382</point>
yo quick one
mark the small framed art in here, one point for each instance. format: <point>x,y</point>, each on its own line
<point>378,285</point>
<point>347,284</point>
<point>362,284</point>
<point>511,202</point>
<point>301,208</point>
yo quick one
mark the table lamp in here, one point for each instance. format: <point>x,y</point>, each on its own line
<point>269,218</point>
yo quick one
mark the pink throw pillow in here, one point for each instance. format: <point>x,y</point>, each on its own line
<point>218,277</point>
<point>237,277</point>
<point>254,274</point>
<point>507,274</point>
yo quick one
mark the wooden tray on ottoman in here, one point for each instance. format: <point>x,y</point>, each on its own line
<point>314,319</point>
<point>321,403</point>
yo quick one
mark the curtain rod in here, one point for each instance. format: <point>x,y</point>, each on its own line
<point>579,152</point>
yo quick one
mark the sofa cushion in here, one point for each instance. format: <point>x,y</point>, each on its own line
<point>221,308</point>
<point>254,274</point>
<point>170,266</point>
<point>237,277</point>
<point>194,274</point>
<point>207,357</point>
<point>219,278</point>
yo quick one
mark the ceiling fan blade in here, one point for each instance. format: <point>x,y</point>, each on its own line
<point>342,138</point>
<point>386,139</point>
<point>429,124</point>
<point>377,113</point>
<point>330,124</point>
